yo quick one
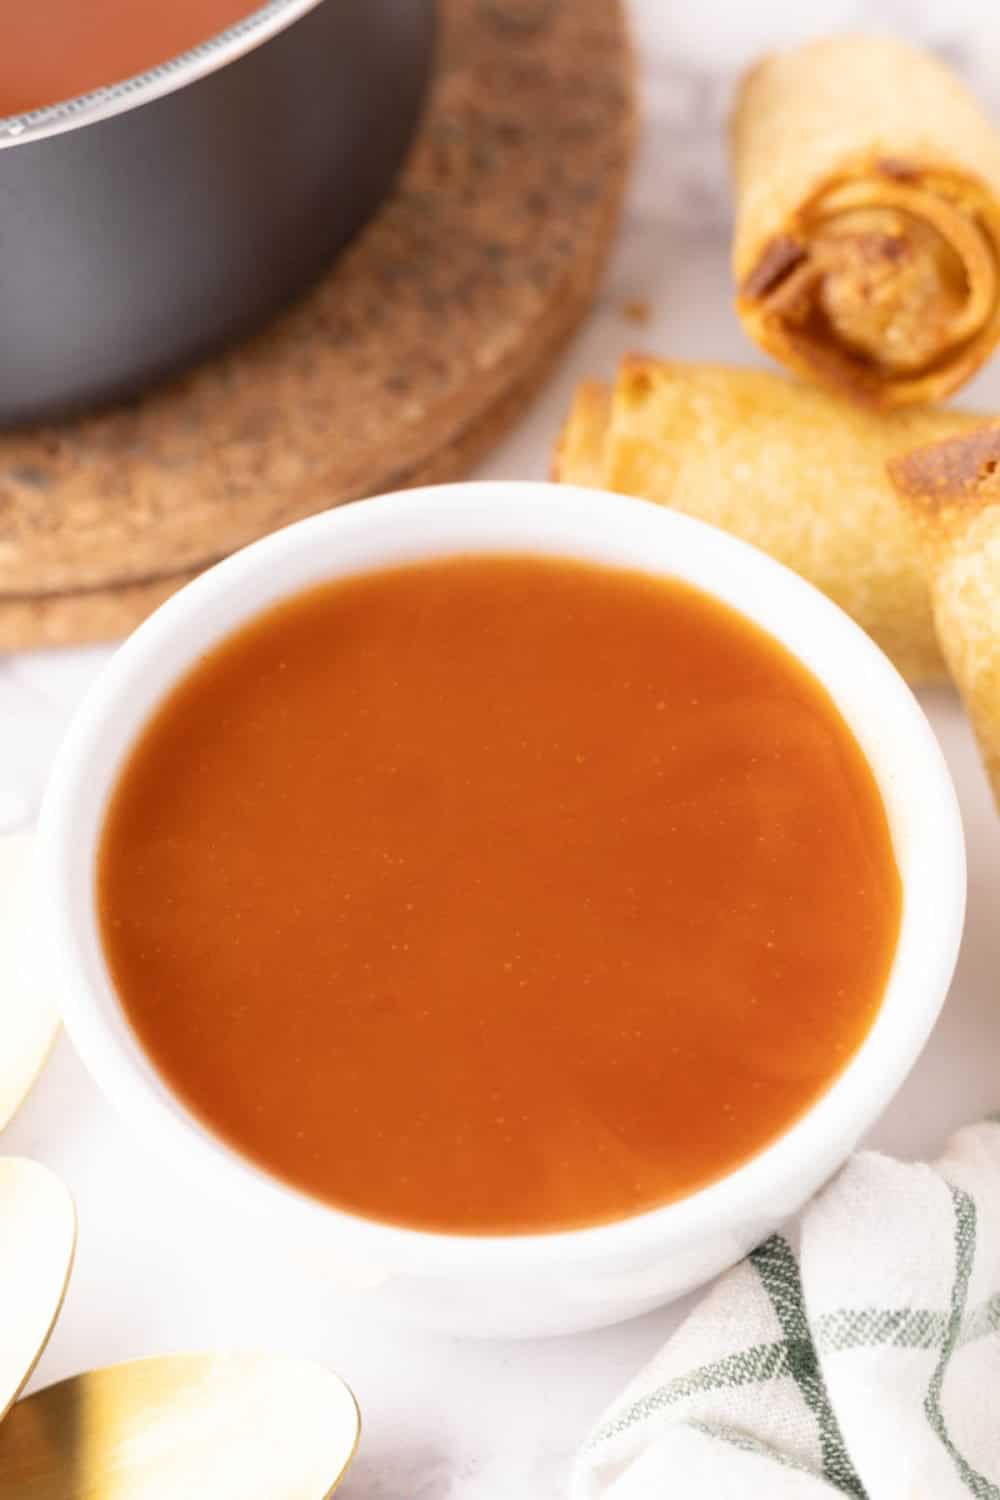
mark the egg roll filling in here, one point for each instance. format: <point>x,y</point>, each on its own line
<point>889,279</point>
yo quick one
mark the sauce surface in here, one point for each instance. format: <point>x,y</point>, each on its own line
<point>498,894</point>
<point>52,50</point>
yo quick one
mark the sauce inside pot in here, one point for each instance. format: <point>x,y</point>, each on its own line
<point>498,893</point>
<point>52,50</point>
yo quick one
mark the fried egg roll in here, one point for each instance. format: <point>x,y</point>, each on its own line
<point>867,239</point>
<point>952,489</point>
<point>782,465</point>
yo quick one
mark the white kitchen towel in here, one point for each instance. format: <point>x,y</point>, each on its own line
<point>859,1357</point>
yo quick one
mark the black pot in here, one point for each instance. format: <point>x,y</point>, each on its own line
<point>150,223</point>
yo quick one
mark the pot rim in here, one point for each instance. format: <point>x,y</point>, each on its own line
<point>124,94</point>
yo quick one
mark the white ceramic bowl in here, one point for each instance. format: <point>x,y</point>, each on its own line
<point>526,1284</point>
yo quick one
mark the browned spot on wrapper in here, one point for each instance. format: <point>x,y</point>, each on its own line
<point>899,171</point>
<point>778,259</point>
<point>964,468</point>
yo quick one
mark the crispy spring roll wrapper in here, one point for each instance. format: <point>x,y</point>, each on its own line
<point>579,453</point>
<point>952,489</point>
<point>867,219</point>
<point>784,466</point>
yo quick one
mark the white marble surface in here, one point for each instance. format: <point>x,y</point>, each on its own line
<point>160,1269</point>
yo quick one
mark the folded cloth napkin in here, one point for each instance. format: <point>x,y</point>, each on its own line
<point>857,1357</point>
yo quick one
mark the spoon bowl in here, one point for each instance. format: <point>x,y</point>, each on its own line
<point>233,1427</point>
<point>28,1018</point>
<point>37,1240</point>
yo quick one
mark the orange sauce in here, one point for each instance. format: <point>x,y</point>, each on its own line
<point>56,49</point>
<point>498,893</point>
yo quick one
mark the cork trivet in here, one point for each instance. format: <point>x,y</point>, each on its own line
<point>401,367</point>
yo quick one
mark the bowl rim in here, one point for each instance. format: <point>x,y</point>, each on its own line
<point>122,94</point>
<point>933,872</point>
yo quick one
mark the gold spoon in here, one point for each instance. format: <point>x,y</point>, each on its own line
<point>190,1427</point>
<point>28,1019</point>
<point>37,1239</point>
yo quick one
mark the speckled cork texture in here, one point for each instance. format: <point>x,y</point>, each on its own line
<point>402,366</point>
